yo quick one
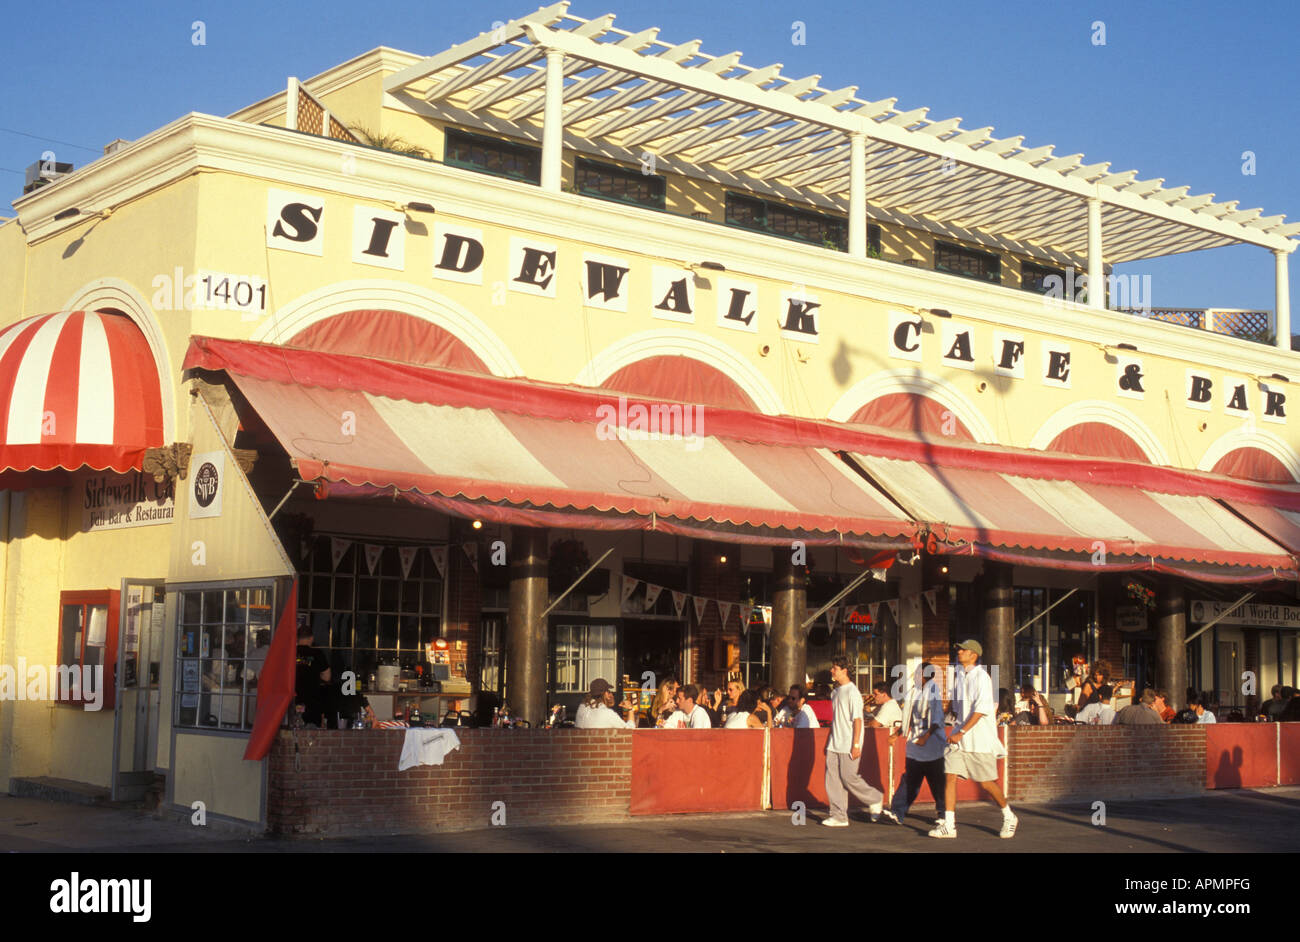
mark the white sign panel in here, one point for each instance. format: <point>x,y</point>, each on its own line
<point>294,222</point>
<point>1252,614</point>
<point>112,501</point>
<point>206,482</point>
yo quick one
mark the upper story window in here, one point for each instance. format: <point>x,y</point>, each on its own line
<point>492,155</point>
<point>1033,277</point>
<point>969,263</point>
<point>873,241</point>
<point>608,182</point>
<point>749,212</point>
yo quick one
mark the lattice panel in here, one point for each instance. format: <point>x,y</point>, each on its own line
<point>340,133</point>
<point>1184,317</point>
<point>311,116</point>
<point>1240,323</point>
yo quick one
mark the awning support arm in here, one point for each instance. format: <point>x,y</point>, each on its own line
<point>1226,612</point>
<point>563,595</point>
<point>287,495</point>
<point>1044,611</point>
<point>861,577</point>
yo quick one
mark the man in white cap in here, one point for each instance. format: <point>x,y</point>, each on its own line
<point>973,745</point>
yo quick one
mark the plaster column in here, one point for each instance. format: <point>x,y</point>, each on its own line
<point>1282,305</point>
<point>999,621</point>
<point>1096,269</point>
<point>1171,645</point>
<point>789,609</point>
<point>526,634</point>
<point>858,194</point>
<point>553,121</point>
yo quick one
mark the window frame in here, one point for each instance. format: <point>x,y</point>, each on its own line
<point>765,207</point>
<point>111,599</point>
<point>582,164</point>
<point>275,592</point>
<point>487,141</point>
<point>1043,271</point>
<point>940,245</point>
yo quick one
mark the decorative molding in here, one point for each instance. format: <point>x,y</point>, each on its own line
<point>888,382</point>
<point>169,461</point>
<point>699,347</point>
<point>285,158</point>
<point>378,61</point>
<point>1106,413</point>
<point>121,296</point>
<point>378,294</point>
<point>1248,437</point>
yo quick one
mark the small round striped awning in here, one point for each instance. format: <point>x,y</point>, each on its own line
<point>77,389</point>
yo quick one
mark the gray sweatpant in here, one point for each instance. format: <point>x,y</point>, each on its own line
<point>842,779</point>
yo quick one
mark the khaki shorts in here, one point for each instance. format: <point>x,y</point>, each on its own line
<point>975,766</point>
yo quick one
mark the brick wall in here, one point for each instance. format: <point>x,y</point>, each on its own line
<point>347,781</point>
<point>713,580</point>
<point>1085,762</point>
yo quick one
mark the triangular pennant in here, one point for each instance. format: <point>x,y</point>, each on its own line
<point>724,610</point>
<point>879,575</point>
<point>439,554</point>
<point>651,595</point>
<point>471,551</point>
<point>407,555</point>
<point>679,601</point>
<point>338,547</point>
<point>873,609</point>
<point>373,552</point>
<point>832,618</point>
<point>932,600</point>
<point>629,586</point>
<point>893,609</point>
<point>745,615</point>
<point>699,604</point>
<point>767,615</point>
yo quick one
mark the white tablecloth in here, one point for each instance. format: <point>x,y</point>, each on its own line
<point>426,747</point>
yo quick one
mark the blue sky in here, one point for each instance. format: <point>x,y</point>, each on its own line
<point>1179,90</point>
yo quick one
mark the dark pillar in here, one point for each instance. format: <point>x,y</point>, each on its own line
<point>526,638</point>
<point>999,624</point>
<point>789,609</point>
<point>1171,649</point>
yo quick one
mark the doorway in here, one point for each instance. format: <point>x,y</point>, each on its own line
<point>139,696</point>
<point>652,646</point>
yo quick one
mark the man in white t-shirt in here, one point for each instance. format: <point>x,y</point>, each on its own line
<point>844,751</point>
<point>1099,712</point>
<point>599,712</point>
<point>802,714</point>
<point>973,744</point>
<point>689,714</point>
<point>888,714</point>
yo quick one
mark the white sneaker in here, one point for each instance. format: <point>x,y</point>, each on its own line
<point>834,823</point>
<point>941,829</point>
<point>890,816</point>
<point>1009,827</point>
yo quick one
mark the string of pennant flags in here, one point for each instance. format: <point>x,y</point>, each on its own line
<point>371,553</point>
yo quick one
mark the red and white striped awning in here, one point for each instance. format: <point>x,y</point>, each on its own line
<point>369,424</point>
<point>994,508</point>
<point>77,389</point>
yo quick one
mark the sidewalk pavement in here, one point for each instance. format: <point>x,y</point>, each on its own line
<point>1236,821</point>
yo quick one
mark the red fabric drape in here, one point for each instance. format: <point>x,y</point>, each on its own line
<point>276,683</point>
<point>680,379</point>
<point>1253,464</point>
<point>389,335</point>
<point>910,412</point>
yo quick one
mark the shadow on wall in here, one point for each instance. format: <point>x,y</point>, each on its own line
<point>799,773</point>
<point>1228,772</point>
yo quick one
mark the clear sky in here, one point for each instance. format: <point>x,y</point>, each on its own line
<point>1180,90</point>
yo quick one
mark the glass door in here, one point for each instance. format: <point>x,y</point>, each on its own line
<point>139,698</point>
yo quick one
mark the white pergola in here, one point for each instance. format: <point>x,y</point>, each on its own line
<point>590,86</point>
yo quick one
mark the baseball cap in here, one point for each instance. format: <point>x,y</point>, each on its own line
<point>970,644</point>
<point>599,686</point>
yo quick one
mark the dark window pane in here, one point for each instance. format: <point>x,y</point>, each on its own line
<point>409,632</point>
<point>969,263</point>
<point>365,630</point>
<point>803,225</point>
<point>388,631</point>
<point>617,183</point>
<point>1032,278</point>
<point>494,156</point>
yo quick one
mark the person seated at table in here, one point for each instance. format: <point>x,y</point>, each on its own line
<point>1142,712</point>
<point>664,701</point>
<point>732,703</point>
<point>886,712</point>
<point>1006,707</point>
<point>689,714</point>
<point>801,712</point>
<point>1091,687</point>
<point>743,717</point>
<point>1167,713</point>
<point>1036,712</point>
<point>768,707</point>
<point>1099,712</point>
<point>599,712</point>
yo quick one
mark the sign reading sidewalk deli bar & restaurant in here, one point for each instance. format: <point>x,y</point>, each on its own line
<point>296,222</point>
<point>112,501</point>
<point>1250,615</point>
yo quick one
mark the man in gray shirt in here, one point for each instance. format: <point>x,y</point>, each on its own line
<point>844,751</point>
<point>1142,713</point>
